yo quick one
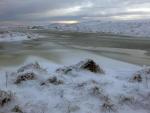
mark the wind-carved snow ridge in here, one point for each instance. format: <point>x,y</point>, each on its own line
<point>85,87</point>
<point>8,36</point>
<point>128,28</point>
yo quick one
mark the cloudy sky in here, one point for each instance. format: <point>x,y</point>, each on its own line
<point>73,10</point>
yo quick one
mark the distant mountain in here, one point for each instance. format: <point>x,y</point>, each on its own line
<point>131,28</point>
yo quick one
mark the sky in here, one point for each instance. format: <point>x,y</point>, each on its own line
<point>73,11</point>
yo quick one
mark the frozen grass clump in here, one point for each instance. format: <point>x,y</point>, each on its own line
<point>17,109</point>
<point>52,80</point>
<point>126,99</point>
<point>108,106</point>
<point>34,66</point>
<point>87,64</point>
<point>97,91</point>
<point>143,100</point>
<point>64,70</point>
<point>25,77</point>
<point>100,93</point>
<point>137,78</point>
<point>5,97</point>
<point>27,72</point>
<point>81,85</point>
<point>90,65</point>
<point>142,76</point>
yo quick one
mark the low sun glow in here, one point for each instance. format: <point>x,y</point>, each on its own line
<point>66,22</point>
<point>146,9</point>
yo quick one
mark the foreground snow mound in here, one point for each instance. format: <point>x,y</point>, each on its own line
<point>7,36</point>
<point>31,71</point>
<point>68,90</point>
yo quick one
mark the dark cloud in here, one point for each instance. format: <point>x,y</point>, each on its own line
<point>46,10</point>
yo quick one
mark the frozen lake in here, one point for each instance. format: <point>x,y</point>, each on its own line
<point>57,45</point>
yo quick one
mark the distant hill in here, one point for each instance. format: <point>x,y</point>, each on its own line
<point>131,28</point>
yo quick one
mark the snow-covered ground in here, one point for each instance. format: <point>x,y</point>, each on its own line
<point>9,36</point>
<point>129,28</point>
<point>49,87</point>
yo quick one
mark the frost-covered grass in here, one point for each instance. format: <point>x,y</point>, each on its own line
<point>78,90</point>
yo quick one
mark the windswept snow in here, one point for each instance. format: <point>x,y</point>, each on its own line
<point>78,90</point>
<point>129,28</point>
<point>8,36</point>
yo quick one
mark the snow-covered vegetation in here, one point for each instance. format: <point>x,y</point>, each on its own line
<point>129,28</point>
<point>98,86</point>
<point>9,36</point>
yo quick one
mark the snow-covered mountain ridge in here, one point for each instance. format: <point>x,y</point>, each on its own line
<point>129,28</point>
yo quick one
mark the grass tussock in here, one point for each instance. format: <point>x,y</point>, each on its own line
<point>88,64</point>
<point>5,97</point>
<point>52,80</point>
<point>108,106</point>
<point>17,109</point>
<point>25,77</point>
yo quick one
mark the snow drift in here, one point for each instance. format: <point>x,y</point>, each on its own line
<point>78,90</point>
